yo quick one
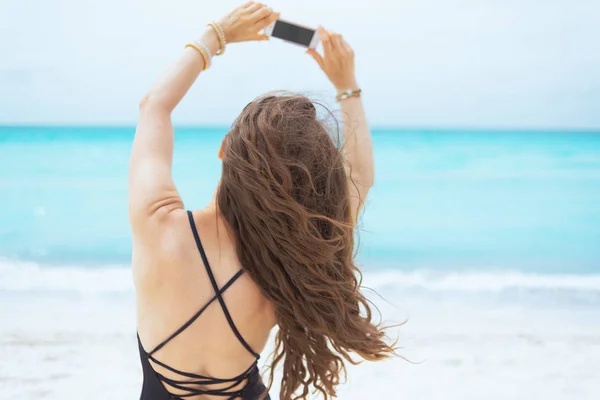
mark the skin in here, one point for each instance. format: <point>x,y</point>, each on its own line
<point>170,279</point>
<point>338,64</point>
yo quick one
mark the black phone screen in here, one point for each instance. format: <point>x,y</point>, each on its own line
<point>293,33</point>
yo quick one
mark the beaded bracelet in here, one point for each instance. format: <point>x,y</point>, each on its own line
<point>204,52</point>
<point>221,35</point>
<point>346,94</point>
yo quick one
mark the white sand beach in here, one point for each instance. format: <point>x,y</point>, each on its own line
<point>68,341</point>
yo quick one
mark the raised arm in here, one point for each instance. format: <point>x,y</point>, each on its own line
<point>152,193</point>
<point>338,64</point>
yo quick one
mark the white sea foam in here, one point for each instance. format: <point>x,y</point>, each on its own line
<point>28,276</point>
<point>483,281</point>
<point>20,276</point>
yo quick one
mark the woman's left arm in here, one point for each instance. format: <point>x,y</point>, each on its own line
<point>152,192</point>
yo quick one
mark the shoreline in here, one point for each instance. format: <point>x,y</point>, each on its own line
<point>60,345</point>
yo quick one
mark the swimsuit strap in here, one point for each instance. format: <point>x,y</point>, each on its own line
<point>197,315</point>
<point>218,292</point>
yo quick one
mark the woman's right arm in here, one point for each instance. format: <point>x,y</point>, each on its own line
<point>338,64</point>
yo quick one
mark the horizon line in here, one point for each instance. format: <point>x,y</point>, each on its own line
<point>387,127</point>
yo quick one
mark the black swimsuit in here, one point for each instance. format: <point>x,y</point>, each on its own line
<point>155,384</point>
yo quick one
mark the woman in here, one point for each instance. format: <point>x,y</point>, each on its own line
<point>274,247</point>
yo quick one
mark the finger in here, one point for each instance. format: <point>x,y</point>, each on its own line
<point>253,8</point>
<point>261,36</point>
<point>261,13</point>
<point>336,42</point>
<point>318,58</point>
<point>346,46</point>
<point>268,20</point>
<point>325,39</point>
<point>243,6</point>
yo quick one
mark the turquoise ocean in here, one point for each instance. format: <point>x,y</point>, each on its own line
<point>445,201</point>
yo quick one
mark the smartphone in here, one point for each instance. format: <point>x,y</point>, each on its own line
<point>293,33</point>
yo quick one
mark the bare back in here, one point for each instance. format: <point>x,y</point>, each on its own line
<point>173,285</point>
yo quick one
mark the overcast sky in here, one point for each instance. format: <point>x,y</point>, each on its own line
<point>498,63</point>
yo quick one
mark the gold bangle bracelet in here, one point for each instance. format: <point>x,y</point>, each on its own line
<point>221,35</point>
<point>203,50</point>
<point>346,94</point>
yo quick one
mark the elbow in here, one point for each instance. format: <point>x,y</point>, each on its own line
<point>366,181</point>
<point>362,173</point>
<point>144,101</point>
<point>152,101</point>
<point>362,184</point>
<point>369,181</point>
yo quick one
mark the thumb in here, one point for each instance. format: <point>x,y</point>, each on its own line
<point>260,36</point>
<point>318,58</point>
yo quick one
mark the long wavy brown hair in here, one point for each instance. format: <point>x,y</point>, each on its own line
<point>284,193</point>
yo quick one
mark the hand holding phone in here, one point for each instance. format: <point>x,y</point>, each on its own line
<point>246,22</point>
<point>337,60</point>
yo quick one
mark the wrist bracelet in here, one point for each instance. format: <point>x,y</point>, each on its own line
<point>204,52</point>
<point>346,94</point>
<point>221,35</point>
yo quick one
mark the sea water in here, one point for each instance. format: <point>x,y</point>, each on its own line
<point>443,200</point>
<point>488,242</point>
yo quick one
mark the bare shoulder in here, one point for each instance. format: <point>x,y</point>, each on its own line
<point>161,250</point>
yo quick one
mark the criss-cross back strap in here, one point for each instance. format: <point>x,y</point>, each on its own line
<point>218,292</point>
<point>195,316</point>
